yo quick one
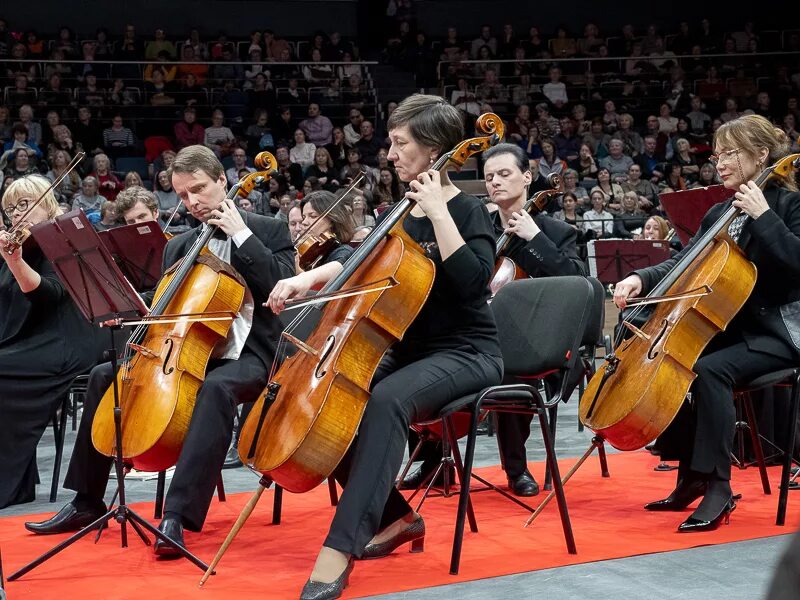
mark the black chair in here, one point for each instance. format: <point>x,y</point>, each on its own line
<point>528,312</point>
<point>783,378</point>
<point>68,405</point>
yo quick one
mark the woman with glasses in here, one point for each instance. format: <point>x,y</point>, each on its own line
<point>44,342</point>
<point>762,338</point>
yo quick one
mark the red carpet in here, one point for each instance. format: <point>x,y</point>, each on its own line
<point>268,561</point>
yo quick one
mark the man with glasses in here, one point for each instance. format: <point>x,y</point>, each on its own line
<point>239,163</point>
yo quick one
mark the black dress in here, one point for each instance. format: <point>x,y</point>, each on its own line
<point>44,344</point>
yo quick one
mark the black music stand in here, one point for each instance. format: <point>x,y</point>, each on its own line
<point>138,250</point>
<point>101,293</point>
<point>611,260</point>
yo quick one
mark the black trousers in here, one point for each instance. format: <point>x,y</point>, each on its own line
<point>403,391</point>
<point>702,433</point>
<point>227,383</point>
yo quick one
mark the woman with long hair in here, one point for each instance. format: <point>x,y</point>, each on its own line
<point>70,184</point>
<point>323,170</point>
<point>388,189</point>
<point>761,339</point>
<point>612,192</point>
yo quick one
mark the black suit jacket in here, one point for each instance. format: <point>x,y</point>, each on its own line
<point>552,252</point>
<point>770,319</point>
<point>266,257</point>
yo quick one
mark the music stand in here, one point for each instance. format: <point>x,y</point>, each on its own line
<point>611,261</point>
<point>686,209</point>
<point>138,250</point>
<point>101,293</point>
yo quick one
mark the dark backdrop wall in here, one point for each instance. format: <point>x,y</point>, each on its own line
<point>235,17</point>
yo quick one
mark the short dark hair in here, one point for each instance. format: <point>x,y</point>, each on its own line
<point>520,157</point>
<point>431,120</point>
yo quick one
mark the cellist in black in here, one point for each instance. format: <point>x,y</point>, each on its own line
<point>763,337</point>
<point>260,250</point>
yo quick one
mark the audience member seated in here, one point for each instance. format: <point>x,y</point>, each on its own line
<point>616,162</point>
<point>189,55</point>
<point>20,165</point>
<point>218,137</point>
<point>118,140</point>
<point>323,170</point>
<point>158,45</point>
<point>189,132</point>
<point>88,200</point>
<point>20,140</point>
<point>108,217</point>
<point>69,186</point>
<point>673,180</point>
<point>233,174</point>
<point>225,70</point>
<point>491,90</point>
<point>108,183</point>
<point>555,90</point>
<point>54,96</point>
<point>570,186</point>
<point>388,190</point>
<point>632,143</point>
<point>568,144</point>
<point>598,222</point>
<point>26,118</point>
<point>550,162</point>
<point>338,149</point>
<point>302,151</point>
<point>650,161</point>
<point>291,172</point>
<point>569,214</point>
<point>317,127</point>
<point>612,191</point>
<point>21,93</point>
<point>630,219</point>
<point>706,177</point>
<point>645,190</point>
<point>687,161</point>
<point>369,144</point>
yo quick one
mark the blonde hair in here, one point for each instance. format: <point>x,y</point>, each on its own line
<point>663,225</point>
<point>31,187</point>
<point>751,133</point>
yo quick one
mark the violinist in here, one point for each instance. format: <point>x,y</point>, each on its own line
<point>338,222</point>
<point>763,337</point>
<point>44,342</point>
<point>451,349</point>
<point>259,249</point>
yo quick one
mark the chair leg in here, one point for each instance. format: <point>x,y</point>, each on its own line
<point>755,440</point>
<point>473,523</point>
<point>463,498</point>
<point>411,460</point>
<point>277,505</point>
<point>548,476</point>
<point>221,489</point>
<point>59,431</point>
<point>600,444</point>
<point>161,483</point>
<point>786,470</point>
<point>558,488</point>
<point>334,493</point>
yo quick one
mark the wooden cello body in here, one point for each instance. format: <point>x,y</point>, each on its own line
<point>158,385</point>
<point>301,427</point>
<point>637,393</point>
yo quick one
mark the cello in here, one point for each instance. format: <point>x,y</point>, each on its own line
<point>641,386</point>
<point>194,307</point>
<point>505,269</point>
<point>304,423</point>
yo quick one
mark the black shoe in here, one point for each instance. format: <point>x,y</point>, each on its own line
<point>316,590</point>
<point>681,497</point>
<point>693,524</point>
<point>67,519</point>
<point>414,533</point>
<point>416,478</point>
<point>523,485</point>
<point>173,529</point>
<point>232,460</point>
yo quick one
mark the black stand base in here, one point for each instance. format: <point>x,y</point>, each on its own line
<point>123,515</point>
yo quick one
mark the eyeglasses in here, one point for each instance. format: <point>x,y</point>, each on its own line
<point>20,206</point>
<point>724,157</point>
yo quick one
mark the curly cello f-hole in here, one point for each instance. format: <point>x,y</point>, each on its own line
<point>651,351</point>
<point>170,346</point>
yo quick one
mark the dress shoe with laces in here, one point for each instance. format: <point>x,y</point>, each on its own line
<point>693,524</point>
<point>414,532</point>
<point>682,496</point>
<point>67,519</point>
<point>416,478</point>
<point>523,485</point>
<point>173,529</point>
<point>316,590</point>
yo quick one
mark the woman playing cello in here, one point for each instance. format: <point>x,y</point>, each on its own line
<point>763,337</point>
<point>450,350</point>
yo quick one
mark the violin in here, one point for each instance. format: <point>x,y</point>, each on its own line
<point>637,393</point>
<point>505,269</point>
<point>166,356</point>
<point>310,247</point>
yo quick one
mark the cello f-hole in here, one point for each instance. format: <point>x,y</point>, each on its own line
<point>651,351</point>
<point>170,346</point>
<point>326,351</point>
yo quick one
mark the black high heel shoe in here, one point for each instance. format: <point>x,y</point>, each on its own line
<point>692,524</point>
<point>681,497</point>
<point>316,590</point>
<point>414,532</point>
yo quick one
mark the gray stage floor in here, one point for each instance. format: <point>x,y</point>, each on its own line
<point>733,571</point>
